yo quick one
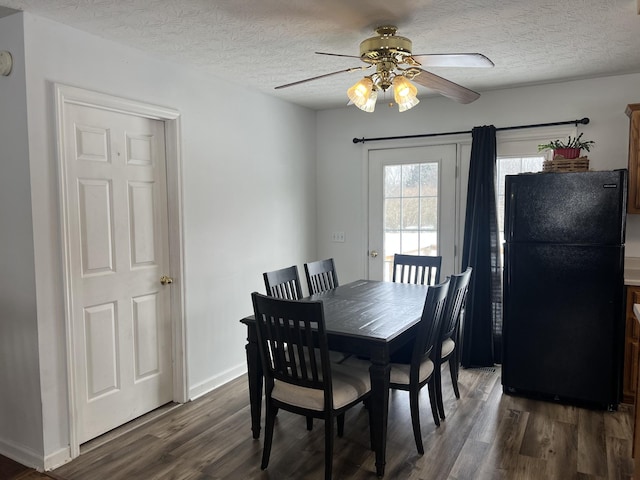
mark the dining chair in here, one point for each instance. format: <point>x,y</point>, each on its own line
<point>283,283</point>
<point>448,342</point>
<point>299,376</point>
<point>321,276</point>
<point>412,371</point>
<point>420,269</point>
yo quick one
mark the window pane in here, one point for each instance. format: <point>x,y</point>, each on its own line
<point>392,177</point>
<point>428,242</point>
<point>532,164</point>
<point>429,213</point>
<point>411,180</point>
<point>500,208</point>
<point>410,213</point>
<point>392,208</point>
<point>511,166</point>
<point>429,179</point>
<point>507,166</point>
<point>387,268</point>
<point>391,245</point>
<point>409,242</point>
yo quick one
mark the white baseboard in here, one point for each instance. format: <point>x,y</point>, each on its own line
<point>216,381</point>
<point>31,459</point>
<point>22,455</point>
<point>57,459</point>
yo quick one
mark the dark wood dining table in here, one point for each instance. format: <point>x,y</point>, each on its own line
<point>368,318</point>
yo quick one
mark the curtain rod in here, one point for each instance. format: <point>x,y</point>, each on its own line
<point>583,121</point>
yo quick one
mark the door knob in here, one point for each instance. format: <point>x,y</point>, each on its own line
<point>165,280</point>
<point>373,253</point>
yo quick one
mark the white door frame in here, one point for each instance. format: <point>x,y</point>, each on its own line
<point>463,144</point>
<point>65,94</point>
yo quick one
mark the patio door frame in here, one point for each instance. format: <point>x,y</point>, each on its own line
<point>463,153</point>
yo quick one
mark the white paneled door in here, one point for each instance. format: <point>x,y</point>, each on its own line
<point>117,253</point>
<point>412,205</point>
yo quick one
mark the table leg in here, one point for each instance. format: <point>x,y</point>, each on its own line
<point>254,373</point>
<point>379,409</point>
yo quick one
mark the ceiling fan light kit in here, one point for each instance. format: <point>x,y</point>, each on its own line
<point>395,66</point>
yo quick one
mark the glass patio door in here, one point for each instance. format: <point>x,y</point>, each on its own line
<point>412,193</point>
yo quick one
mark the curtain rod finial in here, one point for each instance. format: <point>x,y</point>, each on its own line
<point>358,140</point>
<point>584,121</point>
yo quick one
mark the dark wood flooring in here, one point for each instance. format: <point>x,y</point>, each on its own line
<point>487,435</point>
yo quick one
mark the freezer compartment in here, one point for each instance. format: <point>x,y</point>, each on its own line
<point>570,208</point>
<point>563,326</point>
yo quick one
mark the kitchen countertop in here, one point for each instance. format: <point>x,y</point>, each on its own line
<point>632,272</point>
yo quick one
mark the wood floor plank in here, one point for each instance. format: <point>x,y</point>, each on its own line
<point>486,436</point>
<point>471,456</point>
<point>562,454</point>
<point>592,451</point>
<point>619,459</point>
<point>620,426</point>
<point>505,448</point>
<point>537,436</point>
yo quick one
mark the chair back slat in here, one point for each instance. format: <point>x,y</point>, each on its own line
<point>418,269</point>
<point>321,276</point>
<point>293,342</point>
<point>429,326</point>
<point>458,288</point>
<point>283,283</point>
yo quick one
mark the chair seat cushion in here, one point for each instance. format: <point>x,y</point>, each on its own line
<point>349,384</point>
<point>447,347</point>
<point>399,371</point>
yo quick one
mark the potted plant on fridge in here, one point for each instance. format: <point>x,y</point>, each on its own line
<point>569,148</point>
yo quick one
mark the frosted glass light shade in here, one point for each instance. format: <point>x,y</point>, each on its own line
<point>370,104</point>
<point>362,95</point>
<point>404,93</point>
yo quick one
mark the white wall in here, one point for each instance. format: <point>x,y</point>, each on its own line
<point>341,164</point>
<point>20,410</point>
<point>249,197</point>
<point>248,159</point>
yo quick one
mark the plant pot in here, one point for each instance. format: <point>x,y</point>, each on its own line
<point>567,153</point>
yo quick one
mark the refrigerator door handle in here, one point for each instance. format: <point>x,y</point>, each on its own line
<point>512,214</point>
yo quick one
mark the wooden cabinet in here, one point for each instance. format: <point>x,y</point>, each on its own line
<point>633,111</point>
<point>635,451</point>
<point>631,348</point>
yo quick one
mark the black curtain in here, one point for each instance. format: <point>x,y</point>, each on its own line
<point>482,327</point>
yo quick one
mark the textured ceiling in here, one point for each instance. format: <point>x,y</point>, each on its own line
<point>265,43</point>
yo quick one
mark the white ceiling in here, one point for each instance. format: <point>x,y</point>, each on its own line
<point>265,43</point>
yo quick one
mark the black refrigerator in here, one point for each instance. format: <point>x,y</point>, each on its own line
<point>563,323</point>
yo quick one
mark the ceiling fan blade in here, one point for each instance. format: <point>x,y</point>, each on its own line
<point>364,67</point>
<point>453,60</point>
<point>445,87</point>
<point>337,55</point>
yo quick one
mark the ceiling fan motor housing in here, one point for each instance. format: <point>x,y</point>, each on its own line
<point>386,46</point>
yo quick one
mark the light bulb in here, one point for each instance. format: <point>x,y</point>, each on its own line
<point>404,93</point>
<point>363,95</point>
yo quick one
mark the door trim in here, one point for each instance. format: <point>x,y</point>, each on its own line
<point>67,95</point>
<point>463,147</point>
